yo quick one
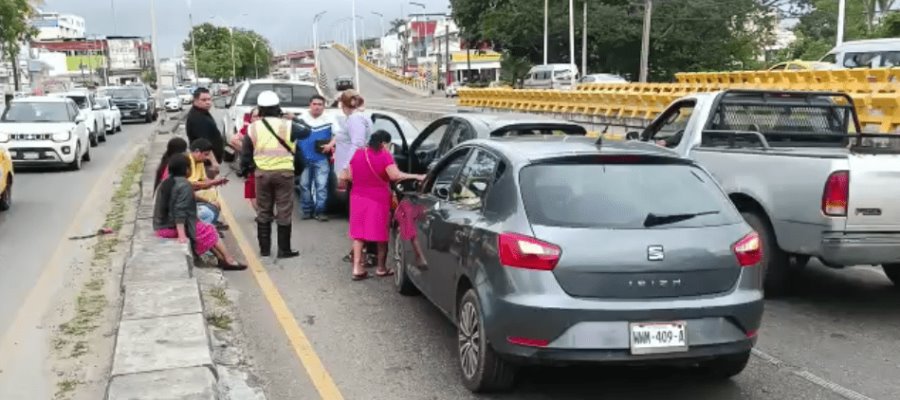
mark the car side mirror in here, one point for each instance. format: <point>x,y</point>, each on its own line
<point>633,135</point>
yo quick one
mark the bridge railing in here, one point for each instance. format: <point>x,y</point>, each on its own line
<point>416,83</point>
<point>875,92</point>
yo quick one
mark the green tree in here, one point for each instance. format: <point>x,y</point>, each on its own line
<point>214,52</point>
<point>513,69</point>
<point>15,28</point>
<point>686,35</point>
<point>816,30</point>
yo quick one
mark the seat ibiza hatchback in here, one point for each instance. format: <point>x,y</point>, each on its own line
<point>560,250</point>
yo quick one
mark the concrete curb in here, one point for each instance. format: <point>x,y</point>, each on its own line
<point>162,346</point>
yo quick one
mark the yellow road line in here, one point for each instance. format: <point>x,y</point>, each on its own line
<point>300,343</point>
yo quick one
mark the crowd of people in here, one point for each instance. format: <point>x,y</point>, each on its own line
<point>280,154</point>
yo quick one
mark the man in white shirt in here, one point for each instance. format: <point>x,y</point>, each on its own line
<point>315,149</point>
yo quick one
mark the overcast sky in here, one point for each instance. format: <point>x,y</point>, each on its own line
<point>286,23</point>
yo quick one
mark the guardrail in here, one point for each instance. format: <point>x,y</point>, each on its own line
<point>875,92</point>
<point>416,83</point>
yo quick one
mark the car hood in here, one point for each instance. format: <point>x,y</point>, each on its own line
<point>35,127</point>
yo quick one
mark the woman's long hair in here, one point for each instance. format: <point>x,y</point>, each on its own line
<point>175,146</point>
<point>178,165</point>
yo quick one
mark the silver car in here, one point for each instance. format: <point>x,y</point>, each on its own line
<point>557,249</point>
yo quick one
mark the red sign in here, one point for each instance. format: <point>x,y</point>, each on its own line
<point>420,29</point>
<point>71,45</point>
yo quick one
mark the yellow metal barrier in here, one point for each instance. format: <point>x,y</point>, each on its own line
<point>413,82</point>
<point>875,93</point>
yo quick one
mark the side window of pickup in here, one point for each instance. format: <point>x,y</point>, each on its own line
<point>669,129</point>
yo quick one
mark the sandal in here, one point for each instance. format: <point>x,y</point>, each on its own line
<point>386,272</point>
<point>361,276</point>
<point>232,267</point>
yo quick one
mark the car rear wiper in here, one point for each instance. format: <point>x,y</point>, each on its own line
<point>656,220</point>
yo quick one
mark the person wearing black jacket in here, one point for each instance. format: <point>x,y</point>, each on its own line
<point>201,125</point>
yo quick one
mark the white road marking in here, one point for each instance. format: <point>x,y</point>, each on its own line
<point>812,378</point>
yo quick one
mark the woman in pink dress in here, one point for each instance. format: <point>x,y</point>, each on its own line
<point>372,169</point>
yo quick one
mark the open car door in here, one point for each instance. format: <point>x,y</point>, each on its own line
<point>402,133</point>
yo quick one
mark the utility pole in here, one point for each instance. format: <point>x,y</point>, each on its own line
<point>355,46</point>
<point>447,58</point>
<point>645,41</point>
<point>584,34</point>
<point>572,38</point>
<point>546,25</point>
<point>155,47</point>
<point>193,47</point>
<point>255,63</point>
<point>842,10</point>
<point>233,63</point>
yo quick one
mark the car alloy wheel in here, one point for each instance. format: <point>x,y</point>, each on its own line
<point>469,340</point>
<point>401,279</point>
<point>75,165</point>
<point>482,368</point>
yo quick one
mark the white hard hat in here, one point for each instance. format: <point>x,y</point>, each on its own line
<point>267,98</point>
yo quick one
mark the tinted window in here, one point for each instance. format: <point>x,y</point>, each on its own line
<point>36,112</point>
<point>830,58</point>
<point>434,138</point>
<point>621,196</point>
<point>890,59</point>
<point>80,100</point>
<point>290,95</point>
<point>446,174</point>
<point>474,179</point>
<point>859,60</point>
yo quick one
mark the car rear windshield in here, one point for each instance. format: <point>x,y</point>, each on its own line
<point>622,196</point>
<point>536,130</point>
<point>290,95</point>
<point>36,112</point>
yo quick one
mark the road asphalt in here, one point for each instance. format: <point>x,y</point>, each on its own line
<point>37,258</point>
<point>836,338</point>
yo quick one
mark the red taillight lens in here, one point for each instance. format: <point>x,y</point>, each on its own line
<point>748,250</point>
<point>836,194</point>
<point>521,251</point>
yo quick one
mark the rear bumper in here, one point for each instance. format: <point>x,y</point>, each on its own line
<point>860,248</point>
<point>598,330</point>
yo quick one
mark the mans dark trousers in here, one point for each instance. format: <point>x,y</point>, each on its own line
<point>275,191</point>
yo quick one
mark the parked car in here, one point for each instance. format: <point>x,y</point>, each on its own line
<point>186,95</point>
<point>94,117</point>
<point>171,100</point>
<point>46,130</point>
<point>6,179</point>
<point>551,76</point>
<point>555,250</point>
<point>295,97</point>
<point>343,83</point>
<point>799,65</point>
<point>112,115</point>
<point>452,89</point>
<point>797,167</point>
<point>870,53</point>
<point>135,102</point>
<point>602,78</point>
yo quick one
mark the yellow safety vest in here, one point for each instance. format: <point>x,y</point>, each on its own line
<point>268,154</point>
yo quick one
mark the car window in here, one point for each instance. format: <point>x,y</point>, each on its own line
<point>103,103</point>
<point>673,124</point>
<point>830,58</point>
<point>436,135</point>
<point>456,134</point>
<point>442,178</point>
<point>622,195</point>
<point>291,95</point>
<point>387,125</point>
<point>778,67</point>
<point>794,67</point>
<point>859,60</point>
<point>890,59</point>
<point>474,179</point>
<point>82,101</point>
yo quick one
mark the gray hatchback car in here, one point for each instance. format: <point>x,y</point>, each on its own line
<point>560,250</point>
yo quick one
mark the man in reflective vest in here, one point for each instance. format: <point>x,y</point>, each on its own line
<point>270,144</point>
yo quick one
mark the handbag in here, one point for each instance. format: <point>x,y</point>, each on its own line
<point>394,201</point>
<point>299,161</point>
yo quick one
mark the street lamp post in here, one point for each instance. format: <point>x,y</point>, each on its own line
<point>193,46</point>
<point>380,44</point>
<point>572,38</point>
<point>316,19</point>
<point>355,48</point>
<point>233,62</point>
<point>842,9</point>
<point>546,10</point>
<point>254,42</point>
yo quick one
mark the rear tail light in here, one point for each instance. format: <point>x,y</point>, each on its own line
<point>748,250</point>
<point>521,251</point>
<point>836,194</point>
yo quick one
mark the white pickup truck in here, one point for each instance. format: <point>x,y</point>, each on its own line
<point>798,168</point>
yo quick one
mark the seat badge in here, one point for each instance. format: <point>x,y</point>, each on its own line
<point>655,253</point>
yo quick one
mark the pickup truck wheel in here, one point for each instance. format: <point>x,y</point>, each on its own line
<point>893,273</point>
<point>775,262</point>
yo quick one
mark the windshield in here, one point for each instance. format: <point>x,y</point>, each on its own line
<point>169,93</point>
<point>103,103</point>
<point>80,100</point>
<point>622,196</point>
<point>36,112</point>
<point>291,95</point>
<point>132,94</point>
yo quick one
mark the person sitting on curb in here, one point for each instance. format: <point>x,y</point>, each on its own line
<point>204,188</point>
<point>175,215</point>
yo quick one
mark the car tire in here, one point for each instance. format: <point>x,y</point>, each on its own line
<point>119,128</point>
<point>490,373</point>
<point>102,137</point>
<point>402,282</point>
<point>777,269</point>
<point>92,137</point>
<point>6,196</point>
<point>893,273</point>
<point>725,367</point>
<point>75,165</point>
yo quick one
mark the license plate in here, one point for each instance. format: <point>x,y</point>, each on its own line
<point>31,156</point>
<point>658,337</point>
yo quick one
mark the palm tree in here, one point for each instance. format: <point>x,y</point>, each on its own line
<point>873,7</point>
<point>395,26</point>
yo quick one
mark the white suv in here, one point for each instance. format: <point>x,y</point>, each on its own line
<point>294,95</point>
<point>94,117</point>
<point>41,131</point>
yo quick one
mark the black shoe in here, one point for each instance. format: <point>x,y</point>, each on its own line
<point>221,226</point>
<point>322,218</point>
<point>284,242</point>
<point>264,235</point>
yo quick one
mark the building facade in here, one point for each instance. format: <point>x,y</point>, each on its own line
<point>55,26</point>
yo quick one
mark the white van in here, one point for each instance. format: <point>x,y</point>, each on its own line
<point>551,76</point>
<point>872,53</point>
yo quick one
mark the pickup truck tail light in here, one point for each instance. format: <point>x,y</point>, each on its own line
<point>836,195</point>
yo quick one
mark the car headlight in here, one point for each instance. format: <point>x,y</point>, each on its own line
<point>142,106</point>
<point>62,136</point>
<point>4,137</point>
